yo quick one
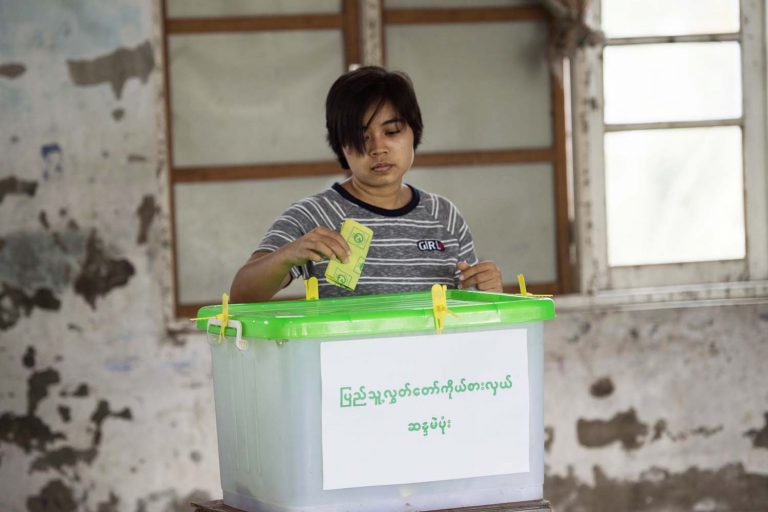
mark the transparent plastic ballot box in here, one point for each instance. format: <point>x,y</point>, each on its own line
<point>363,404</point>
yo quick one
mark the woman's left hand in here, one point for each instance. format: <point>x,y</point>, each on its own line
<point>485,275</point>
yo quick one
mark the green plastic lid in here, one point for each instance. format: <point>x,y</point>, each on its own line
<point>375,315</point>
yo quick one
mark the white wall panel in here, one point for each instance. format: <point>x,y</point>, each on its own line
<point>480,85</point>
<point>510,210</point>
<point>219,225</point>
<point>256,97</point>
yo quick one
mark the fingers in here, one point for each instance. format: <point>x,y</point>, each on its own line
<point>336,243</point>
<point>470,272</point>
<point>485,275</point>
<point>319,244</point>
<point>486,281</point>
<point>318,250</point>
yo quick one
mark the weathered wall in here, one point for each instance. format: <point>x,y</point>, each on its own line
<point>100,409</point>
<point>662,410</point>
<point>103,409</point>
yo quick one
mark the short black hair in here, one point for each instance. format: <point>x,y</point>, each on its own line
<point>354,92</point>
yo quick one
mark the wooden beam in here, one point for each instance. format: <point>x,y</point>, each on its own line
<point>351,15</point>
<point>535,288</point>
<point>484,157</point>
<point>560,175</point>
<point>253,23</point>
<point>330,167</point>
<point>255,171</point>
<point>169,157</point>
<point>469,15</point>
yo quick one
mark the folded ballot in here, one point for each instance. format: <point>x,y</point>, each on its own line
<point>358,238</point>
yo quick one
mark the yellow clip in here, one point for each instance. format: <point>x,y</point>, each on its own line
<point>222,317</point>
<point>440,306</point>
<point>523,291</point>
<point>521,282</point>
<point>311,288</point>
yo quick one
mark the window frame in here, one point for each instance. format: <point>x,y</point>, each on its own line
<point>555,154</point>
<point>677,281</point>
<point>347,20</point>
<point>363,23</point>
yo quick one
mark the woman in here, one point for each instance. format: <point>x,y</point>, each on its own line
<point>419,239</point>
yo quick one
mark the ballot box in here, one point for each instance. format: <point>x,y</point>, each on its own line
<point>379,403</point>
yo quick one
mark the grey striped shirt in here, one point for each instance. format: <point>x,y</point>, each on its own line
<point>413,247</point>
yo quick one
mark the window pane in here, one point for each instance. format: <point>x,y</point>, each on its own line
<point>255,97</point>
<point>480,85</point>
<point>219,225</point>
<point>217,8</point>
<point>510,209</point>
<point>672,82</point>
<point>674,196</point>
<point>626,18</point>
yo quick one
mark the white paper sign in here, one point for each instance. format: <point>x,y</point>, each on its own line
<point>424,408</point>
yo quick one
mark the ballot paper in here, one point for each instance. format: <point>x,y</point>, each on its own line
<point>346,275</point>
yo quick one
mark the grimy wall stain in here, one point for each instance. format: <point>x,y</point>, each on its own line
<point>549,438</point>
<point>12,70</point>
<point>100,273</point>
<point>146,212</point>
<point>601,387</point>
<point>760,437</point>
<point>115,68</point>
<point>678,431</point>
<point>725,489</point>
<point>624,427</point>
<point>32,434</point>
<point>13,185</point>
<point>55,496</point>
<point>99,412</point>
<point>36,267</point>
<point>28,431</point>
<point>14,303</point>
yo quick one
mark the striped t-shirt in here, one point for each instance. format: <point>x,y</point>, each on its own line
<point>413,247</point>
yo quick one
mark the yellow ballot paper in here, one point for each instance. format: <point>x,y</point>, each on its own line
<point>359,238</point>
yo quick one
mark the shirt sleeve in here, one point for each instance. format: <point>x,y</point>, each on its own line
<point>289,227</point>
<point>466,243</point>
<point>299,219</point>
<point>458,227</point>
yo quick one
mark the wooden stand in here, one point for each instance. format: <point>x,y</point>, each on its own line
<point>522,506</point>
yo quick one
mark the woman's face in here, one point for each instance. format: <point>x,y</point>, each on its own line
<point>388,152</point>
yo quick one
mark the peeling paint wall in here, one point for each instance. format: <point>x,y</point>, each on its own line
<point>661,410</point>
<point>101,409</point>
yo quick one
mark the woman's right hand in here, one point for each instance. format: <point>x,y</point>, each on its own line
<point>265,273</point>
<point>319,244</point>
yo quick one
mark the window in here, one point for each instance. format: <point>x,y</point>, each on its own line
<point>242,74</point>
<point>246,84</point>
<point>494,127</point>
<point>669,145</point>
